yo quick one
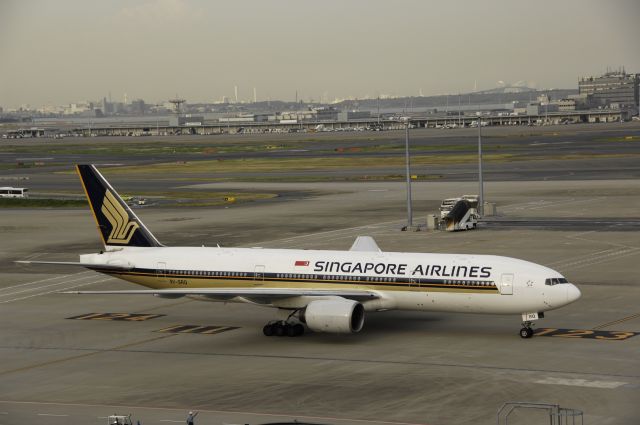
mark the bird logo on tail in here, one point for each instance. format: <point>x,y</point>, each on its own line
<point>122,229</point>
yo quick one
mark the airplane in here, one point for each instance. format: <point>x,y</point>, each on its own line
<point>328,291</point>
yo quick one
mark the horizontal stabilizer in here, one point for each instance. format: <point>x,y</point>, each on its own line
<point>365,244</point>
<point>273,293</point>
<point>73,263</point>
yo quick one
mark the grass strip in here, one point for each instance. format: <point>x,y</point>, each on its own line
<point>41,203</point>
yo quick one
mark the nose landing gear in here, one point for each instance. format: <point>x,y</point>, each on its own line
<point>526,331</point>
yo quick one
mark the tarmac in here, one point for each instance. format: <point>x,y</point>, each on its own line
<point>65,361</point>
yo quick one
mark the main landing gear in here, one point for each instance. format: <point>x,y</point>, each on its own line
<point>283,328</point>
<point>526,331</point>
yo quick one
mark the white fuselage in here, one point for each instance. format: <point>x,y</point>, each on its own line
<point>404,281</point>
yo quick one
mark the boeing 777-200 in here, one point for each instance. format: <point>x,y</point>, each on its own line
<point>329,291</point>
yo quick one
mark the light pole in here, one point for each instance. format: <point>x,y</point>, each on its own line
<point>459,111</point>
<point>481,189</point>
<point>408,171</point>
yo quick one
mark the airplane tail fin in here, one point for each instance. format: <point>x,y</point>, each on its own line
<point>117,224</point>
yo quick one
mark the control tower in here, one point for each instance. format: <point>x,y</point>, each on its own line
<point>176,103</point>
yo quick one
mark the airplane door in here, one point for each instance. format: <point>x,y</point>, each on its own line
<point>506,284</point>
<point>258,275</point>
<point>161,272</point>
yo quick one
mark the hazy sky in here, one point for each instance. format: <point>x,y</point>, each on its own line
<point>62,51</point>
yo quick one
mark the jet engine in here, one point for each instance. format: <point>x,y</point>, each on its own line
<point>334,316</point>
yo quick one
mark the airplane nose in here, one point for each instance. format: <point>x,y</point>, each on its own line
<point>573,293</point>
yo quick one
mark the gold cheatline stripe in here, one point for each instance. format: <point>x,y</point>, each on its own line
<point>296,285</point>
<point>283,279</point>
<point>615,322</point>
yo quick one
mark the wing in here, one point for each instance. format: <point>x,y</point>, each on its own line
<point>262,294</point>
<point>72,263</point>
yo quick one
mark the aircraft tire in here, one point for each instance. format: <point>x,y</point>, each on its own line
<point>295,330</point>
<point>267,330</point>
<point>279,330</point>
<point>291,330</point>
<point>526,333</point>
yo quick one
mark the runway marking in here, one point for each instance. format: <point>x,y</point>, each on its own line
<point>146,310</point>
<point>615,322</point>
<point>316,359</point>
<point>619,250</point>
<point>579,237</point>
<point>223,412</point>
<point>55,290</point>
<point>370,231</point>
<point>43,280</point>
<point>79,356</point>
<point>42,287</point>
<point>595,259</point>
<point>329,232</point>
<point>575,382</point>
<point>579,257</point>
<point>197,329</point>
<point>171,420</point>
<point>586,334</point>
<point>51,414</point>
<point>128,317</point>
<point>536,205</point>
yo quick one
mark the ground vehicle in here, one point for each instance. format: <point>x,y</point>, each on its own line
<point>119,420</point>
<point>460,213</point>
<point>13,192</point>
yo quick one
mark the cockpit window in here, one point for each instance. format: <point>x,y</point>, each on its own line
<point>555,281</point>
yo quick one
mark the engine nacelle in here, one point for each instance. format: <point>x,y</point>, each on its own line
<point>334,316</point>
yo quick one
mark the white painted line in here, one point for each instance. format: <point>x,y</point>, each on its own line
<point>43,286</point>
<point>329,232</point>
<point>171,420</point>
<point>43,280</point>
<point>226,412</point>
<point>581,383</point>
<point>51,414</point>
<point>605,258</point>
<point>579,257</point>
<point>55,290</point>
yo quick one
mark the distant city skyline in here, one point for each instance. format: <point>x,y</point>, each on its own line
<point>57,53</point>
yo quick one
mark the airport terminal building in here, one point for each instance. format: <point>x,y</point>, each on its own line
<point>613,89</point>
